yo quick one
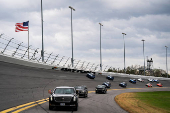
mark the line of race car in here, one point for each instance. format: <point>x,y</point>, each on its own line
<point>124,84</point>
<point>66,96</point>
<point>148,84</point>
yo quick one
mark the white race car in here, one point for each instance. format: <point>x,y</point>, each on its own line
<point>150,80</point>
<point>140,80</point>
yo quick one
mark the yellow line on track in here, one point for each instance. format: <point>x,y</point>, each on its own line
<point>23,105</point>
<point>115,89</point>
<point>22,109</point>
<point>38,102</point>
<point>13,108</point>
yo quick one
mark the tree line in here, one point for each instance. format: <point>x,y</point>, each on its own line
<point>139,70</point>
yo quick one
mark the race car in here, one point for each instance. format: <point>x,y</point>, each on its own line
<point>149,85</point>
<point>109,77</point>
<point>159,84</point>
<point>155,80</point>
<point>107,84</point>
<point>90,75</point>
<point>54,68</point>
<point>132,81</point>
<point>150,80</point>
<point>123,84</point>
<point>140,80</point>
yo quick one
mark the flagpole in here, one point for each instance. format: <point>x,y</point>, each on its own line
<point>28,39</point>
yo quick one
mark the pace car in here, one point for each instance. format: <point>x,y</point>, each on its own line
<point>132,81</point>
<point>123,84</point>
<point>82,91</point>
<point>63,96</point>
<point>109,77</point>
<point>140,80</point>
<point>101,89</point>
<point>149,85</point>
<point>107,84</point>
<point>90,75</point>
<point>160,85</point>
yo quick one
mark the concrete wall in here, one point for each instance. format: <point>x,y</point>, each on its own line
<point>24,62</point>
<point>45,66</point>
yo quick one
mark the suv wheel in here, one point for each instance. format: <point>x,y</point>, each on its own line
<point>50,107</point>
<point>76,108</point>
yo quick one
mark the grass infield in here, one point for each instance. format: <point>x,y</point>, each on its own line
<point>145,102</point>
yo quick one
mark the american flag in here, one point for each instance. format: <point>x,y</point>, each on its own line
<point>21,26</point>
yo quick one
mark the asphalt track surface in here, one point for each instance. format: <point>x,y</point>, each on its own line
<point>23,88</point>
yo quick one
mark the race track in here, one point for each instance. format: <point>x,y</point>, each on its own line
<point>21,85</point>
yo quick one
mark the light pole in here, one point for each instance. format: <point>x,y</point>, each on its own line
<point>166,62</point>
<point>143,56</point>
<point>100,49</point>
<point>72,35</point>
<point>124,52</point>
<point>42,51</point>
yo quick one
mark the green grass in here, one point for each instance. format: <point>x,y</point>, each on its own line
<point>160,99</point>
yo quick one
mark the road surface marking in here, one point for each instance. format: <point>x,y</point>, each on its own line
<point>23,105</point>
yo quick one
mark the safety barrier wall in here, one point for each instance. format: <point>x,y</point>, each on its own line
<point>12,48</point>
<point>39,65</point>
<point>23,62</point>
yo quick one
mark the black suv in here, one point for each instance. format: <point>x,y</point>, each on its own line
<point>63,96</point>
<point>101,89</point>
<point>82,91</point>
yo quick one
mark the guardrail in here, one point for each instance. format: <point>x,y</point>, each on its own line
<point>17,49</point>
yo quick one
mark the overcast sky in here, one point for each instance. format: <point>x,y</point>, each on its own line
<point>139,19</point>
